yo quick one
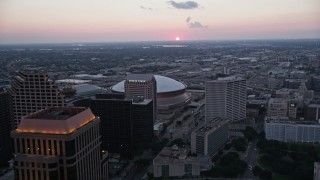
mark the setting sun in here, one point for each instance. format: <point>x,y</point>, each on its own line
<point>177,39</point>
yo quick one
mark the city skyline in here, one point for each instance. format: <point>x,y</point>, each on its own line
<point>36,21</point>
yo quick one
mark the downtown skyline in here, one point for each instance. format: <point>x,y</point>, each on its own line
<point>38,21</point>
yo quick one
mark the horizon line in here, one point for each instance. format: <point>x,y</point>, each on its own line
<point>149,41</point>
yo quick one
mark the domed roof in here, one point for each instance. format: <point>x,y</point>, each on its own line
<point>164,84</point>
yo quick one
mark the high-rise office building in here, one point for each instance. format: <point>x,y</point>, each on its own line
<point>125,123</point>
<point>226,98</point>
<point>142,115</point>
<point>5,128</point>
<point>116,126</point>
<point>142,85</point>
<point>32,90</point>
<point>58,143</point>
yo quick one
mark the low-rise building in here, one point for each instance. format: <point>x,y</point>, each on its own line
<point>312,112</point>
<point>175,162</point>
<point>282,129</point>
<point>277,107</point>
<point>208,139</point>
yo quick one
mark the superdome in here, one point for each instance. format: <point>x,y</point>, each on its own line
<point>170,93</point>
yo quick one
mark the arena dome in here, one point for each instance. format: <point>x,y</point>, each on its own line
<point>170,93</point>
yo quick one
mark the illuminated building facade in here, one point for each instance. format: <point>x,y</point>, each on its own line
<point>58,143</point>
<point>5,128</point>
<point>32,91</point>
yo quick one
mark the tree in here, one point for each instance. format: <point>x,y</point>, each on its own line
<point>256,170</point>
<point>240,144</point>
<point>142,162</point>
<point>302,172</point>
<point>179,123</point>
<point>250,133</point>
<point>266,174</point>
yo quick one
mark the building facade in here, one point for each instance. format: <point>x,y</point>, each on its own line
<point>58,143</point>
<point>142,85</point>
<point>142,115</point>
<point>32,91</point>
<point>208,139</point>
<point>175,162</point>
<point>281,129</point>
<point>277,107</point>
<point>125,123</point>
<point>116,127</point>
<point>226,98</point>
<point>312,112</point>
<point>5,128</point>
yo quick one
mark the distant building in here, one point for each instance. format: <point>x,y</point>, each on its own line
<point>316,83</point>
<point>142,85</point>
<point>292,109</point>
<point>297,74</point>
<point>5,128</point>
<point>275,82</point>
<point>312,112</point>
<point>282,129</point>
<point>292,83</point>
<point>226,98</point>
<point>208,139</point>
<point>86,89</point>
<point>277,107</point>
<point>171,94</point>
<point>59,143</point>
<point>175,162</point>
<point>32,91</point>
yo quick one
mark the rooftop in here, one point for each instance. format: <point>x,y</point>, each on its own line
<point>286,120</point>
<point>173,155</point>
<point>314,105</point>
<point>277,100</point>
<point>141,77</point>
<point>82,89</point>
<point>229,78</point>
<point>212,125</point>
<point>56,120</point>
<point>142,102</point>
<point>164,84</point>
<point>32,71</point>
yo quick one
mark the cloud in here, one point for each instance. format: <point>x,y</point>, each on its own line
<point>145,8</point>
<point>188,19</point>
<point>184,5</point>
<point>195,24</point>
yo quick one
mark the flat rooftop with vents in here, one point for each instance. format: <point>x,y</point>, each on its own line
<point>56,120</point>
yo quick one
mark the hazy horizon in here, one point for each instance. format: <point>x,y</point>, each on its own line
<point>81,21</point>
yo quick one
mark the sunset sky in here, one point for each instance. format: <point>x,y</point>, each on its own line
<point>50,21</point>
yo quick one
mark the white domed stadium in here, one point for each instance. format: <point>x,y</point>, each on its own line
<point>170,93</point>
